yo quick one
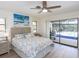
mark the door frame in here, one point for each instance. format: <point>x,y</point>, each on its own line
<point>59,37</point>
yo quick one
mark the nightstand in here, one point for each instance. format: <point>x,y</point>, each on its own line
<point>4,45</point>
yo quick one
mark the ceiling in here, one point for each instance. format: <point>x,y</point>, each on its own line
<point>24,6</point>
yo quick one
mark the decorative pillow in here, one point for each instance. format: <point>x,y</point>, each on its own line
<point>29,35</point>
<point>37,34</point>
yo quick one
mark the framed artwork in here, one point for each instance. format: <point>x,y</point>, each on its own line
<point>21,19</point>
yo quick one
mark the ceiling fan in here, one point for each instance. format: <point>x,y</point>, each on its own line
<point>44,7</point>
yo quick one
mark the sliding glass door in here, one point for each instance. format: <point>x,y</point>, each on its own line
<point>55,30</point>
<point>65,31</point>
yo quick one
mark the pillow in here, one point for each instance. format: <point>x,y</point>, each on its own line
<point>29,35</point>
<point>37,34</point>
<point>19,36</point>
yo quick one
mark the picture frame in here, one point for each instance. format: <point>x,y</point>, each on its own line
<point>21,19</point>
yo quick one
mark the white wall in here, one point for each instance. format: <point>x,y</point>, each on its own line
<point>44,23</point>
<point>41,25</point>
<point>8,15</point>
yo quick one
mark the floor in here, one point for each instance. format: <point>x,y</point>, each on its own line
<point>59,51</point>
<point>72,42</point>
<point>62,51</point>
<point>11,54</point>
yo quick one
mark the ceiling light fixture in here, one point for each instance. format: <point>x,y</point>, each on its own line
<point>44,10</point>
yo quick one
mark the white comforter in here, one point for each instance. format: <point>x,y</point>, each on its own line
<point>31,45</point>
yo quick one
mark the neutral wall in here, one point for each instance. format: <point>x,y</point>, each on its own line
<point>8,15</point>
<point>44,23</point>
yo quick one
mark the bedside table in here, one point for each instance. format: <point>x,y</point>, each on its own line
<point>4,45</point>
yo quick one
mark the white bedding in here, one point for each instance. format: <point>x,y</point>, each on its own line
<point>31,45</point>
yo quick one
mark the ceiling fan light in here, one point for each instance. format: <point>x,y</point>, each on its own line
<point>44,10</point>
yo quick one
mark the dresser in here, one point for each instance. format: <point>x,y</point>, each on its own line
<point>4,45</point>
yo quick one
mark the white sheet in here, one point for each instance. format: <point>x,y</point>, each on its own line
<point>31,45</point>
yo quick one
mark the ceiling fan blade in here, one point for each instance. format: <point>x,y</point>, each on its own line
<point>53,7</point>
<point>35,8</point>
<point>44,4</point>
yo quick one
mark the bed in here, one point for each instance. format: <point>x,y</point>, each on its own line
<point>29,46</point>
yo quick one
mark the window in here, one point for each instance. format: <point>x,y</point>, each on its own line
<point>2,29</point>
<point>34,26</point>
<point>2,25</point>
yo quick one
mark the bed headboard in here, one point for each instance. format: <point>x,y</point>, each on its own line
<point>19,30</point>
